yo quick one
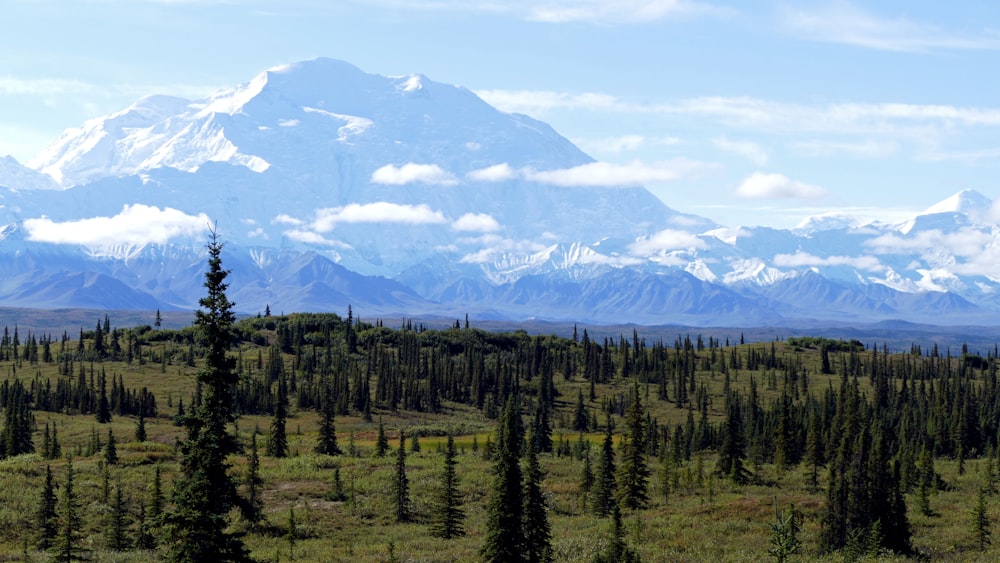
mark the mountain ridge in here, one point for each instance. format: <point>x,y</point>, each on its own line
<point>333,186</point>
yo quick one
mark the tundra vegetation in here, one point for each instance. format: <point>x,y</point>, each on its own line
<point>330,438</point>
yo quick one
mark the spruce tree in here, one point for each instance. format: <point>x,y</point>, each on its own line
<point>67,546</point>
<point>448,515</point>
<point>814,454</point>
<point>402,483</point>
<point>55,450</point>
<point>46,522</point>
<point>784,535</point>
<point>617,551</point>
<point>103,413</point>
<point>733,451</point>
<point>537,534</point>
<point>581,422</point>
<point>381,441</point>
<point>18,426</point>
<point>117,537</point>
<point>253,506</point>
<point>633,473</point>
<point>111,450</point>
<point>327,443</point>
<point>144,539</point>
<point>277,438</point>
<point>504,536</point>
<point>981,525</point>
<point>604,487</point>
<point>205,492</point>
<point>292,534</point>
<point>140,426</point>
<point>586,479</point>
<point>156,499</point>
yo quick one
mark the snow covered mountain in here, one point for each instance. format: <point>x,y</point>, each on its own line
<point>400,195</point>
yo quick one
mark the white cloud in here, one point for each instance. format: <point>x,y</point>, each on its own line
<point>619,11</point>
<point>772,186</point>
<point>622,143</point>
<point>412,172</point>
<point>861,149</point>
<point>755,113</point>
<point>137,224</point>
<point>843,22</point>
<point>284,219</point>
<point>800,259</point>
<point>539,102</point>
<point>495,173</point>
<point>747,149</point>
<point>934,244</point>
<point>666,240</point>
<point>494,246</point>
<point>310,237</point>
<point>607,174</point>
<point>42,86</point>
<point>476,222</point>
<point>972,156</point>
<point>601,12</point>
<point>288,122</point>
<point>377,212</point>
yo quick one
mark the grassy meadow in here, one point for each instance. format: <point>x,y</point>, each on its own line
<point>704,517</point>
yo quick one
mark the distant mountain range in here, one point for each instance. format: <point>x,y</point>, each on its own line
<point>403,196</point>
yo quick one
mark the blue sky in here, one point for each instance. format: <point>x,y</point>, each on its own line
<point>747,113</point>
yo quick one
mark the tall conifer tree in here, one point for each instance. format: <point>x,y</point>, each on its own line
<point>504,536</point>
<point>537,532</point>
<point>47,525</point>
<point>327,443</point>
<point>402,483</point>
<point>448,514</point>
<point>633,473</point>
<point>604,487</point>
<point>205,492</point>
<point>277,438</point>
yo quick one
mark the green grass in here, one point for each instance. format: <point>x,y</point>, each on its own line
<point>712,521</point>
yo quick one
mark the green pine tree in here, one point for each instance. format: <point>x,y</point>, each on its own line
<point>504,534</point>
<point>581,422</point>
<point>277,438</point>
<point>981,525</point>
<point>586,479</point>
<point>381,441</point>
<point>327,443</point>
<point>204,492</point>
<point>67,546</point>
<point>140,427</point>
<point>156,499</point>
<point>633,473</point>
<point>604,487</point>
<point>111,450</point>
<point>784,535</point>
<point>253,505</point>
<point>402,483</point>
<point>733,449</point>
<point>46,522</point>
<point>448,515</point>
<point>117,537</point>
<point>536,534</point>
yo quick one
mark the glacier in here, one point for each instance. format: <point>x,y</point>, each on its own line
<point>404,196</point>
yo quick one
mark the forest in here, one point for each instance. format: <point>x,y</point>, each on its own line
<point>321,437</point>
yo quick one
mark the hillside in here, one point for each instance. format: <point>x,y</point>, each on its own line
<point>431,382</point>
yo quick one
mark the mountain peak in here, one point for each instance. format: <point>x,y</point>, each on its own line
<point>969,202</point>
<point>16,176</point>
